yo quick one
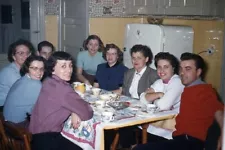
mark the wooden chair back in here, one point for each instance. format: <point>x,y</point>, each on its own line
<point>3,137</point>
<point>19,138</point>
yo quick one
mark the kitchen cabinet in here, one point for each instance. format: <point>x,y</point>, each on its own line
<point>169,7</point>
<point>218,8</point>
<point>141,7</point>
<point>183,7</point>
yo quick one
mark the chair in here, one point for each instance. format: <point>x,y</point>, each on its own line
<point>13,137</point>
<point>3,137</point>
<point>19,138</point>
<point>213,134</point>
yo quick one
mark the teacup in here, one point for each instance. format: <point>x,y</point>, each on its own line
<point>151,108</point>
<point>96,91</point>
<point>78,86</point>
<point>107,116</point>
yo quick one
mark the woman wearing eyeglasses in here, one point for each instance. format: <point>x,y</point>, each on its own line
<point>17,54</point>
<point>56,102</point>
<point>24,92</point>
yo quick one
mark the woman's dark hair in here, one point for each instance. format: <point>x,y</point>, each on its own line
<point>145,50</point>
<point>59,55</point>
<point>170,58</point>
<point>45,43</point>
<point>25,67</point>
<point>118,51</point>
<point>12,48</point>
<point>199,62</point>
<point>94,37</point>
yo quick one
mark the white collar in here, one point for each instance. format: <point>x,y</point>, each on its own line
<point>142,71</point>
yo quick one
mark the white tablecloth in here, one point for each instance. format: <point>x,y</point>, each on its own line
<point>90,134</point>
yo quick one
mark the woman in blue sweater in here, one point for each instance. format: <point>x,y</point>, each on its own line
<point>109,76</point>
<point>24,93</point>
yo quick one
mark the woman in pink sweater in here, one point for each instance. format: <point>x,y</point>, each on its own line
<point>56,102</point>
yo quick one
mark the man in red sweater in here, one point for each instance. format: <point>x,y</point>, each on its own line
<point>198,106</point>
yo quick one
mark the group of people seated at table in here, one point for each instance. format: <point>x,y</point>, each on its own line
<point>37,83</point>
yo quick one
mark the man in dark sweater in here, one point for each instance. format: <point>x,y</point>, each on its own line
<point>198,106</point>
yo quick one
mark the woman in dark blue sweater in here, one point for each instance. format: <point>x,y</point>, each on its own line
<point>110,75</point>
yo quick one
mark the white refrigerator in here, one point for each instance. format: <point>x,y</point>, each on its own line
<point>160,38</point>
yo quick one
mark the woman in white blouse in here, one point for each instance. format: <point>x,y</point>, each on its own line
<point>166,91</point>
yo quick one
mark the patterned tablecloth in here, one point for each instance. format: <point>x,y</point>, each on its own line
<point>90,134</point>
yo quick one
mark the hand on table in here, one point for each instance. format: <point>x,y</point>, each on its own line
<point>75,119</point>
<point>160,94</point>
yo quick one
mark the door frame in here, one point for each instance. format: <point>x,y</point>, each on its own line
<point>222,85</point>
<point>40,14</point>
<point>60,24</point>
<point>60,27</point>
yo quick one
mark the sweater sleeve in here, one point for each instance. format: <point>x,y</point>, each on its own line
<point>175,88</point>
<point>211,103</point>
<point>156,86</point>
<point>76,104</point>
<point>8,77</point>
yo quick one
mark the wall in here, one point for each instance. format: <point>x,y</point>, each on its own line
<point>206,32</point>
<point>9,32</point>
<point>110,27</point>
<point>51,28</point>
<point>111,30</point>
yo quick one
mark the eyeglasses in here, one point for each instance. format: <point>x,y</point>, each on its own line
<point>23,53</point>
<point>36,69</point>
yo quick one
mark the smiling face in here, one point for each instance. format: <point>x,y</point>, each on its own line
<point>36,70</point>
<point>63,69</point>
<point>139,61</point>
<point>21,54</point>
<point>111,56</point>
<point>188,72</point>
<point>164,70</point>
<point>93,46</point>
